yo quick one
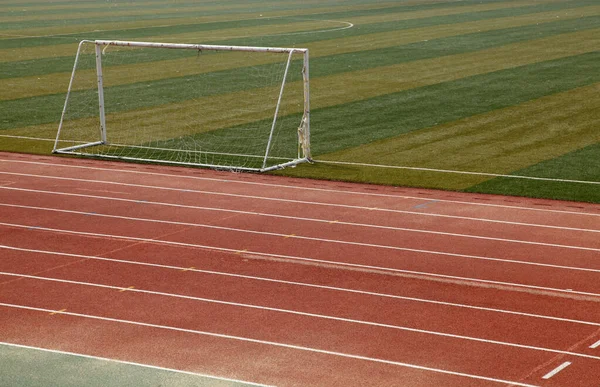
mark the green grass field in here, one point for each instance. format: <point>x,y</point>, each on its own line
<point>456,95</point>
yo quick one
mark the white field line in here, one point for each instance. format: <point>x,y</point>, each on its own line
<point>269,343</point>
<point>306,314</point>
<point>286,186</point>
<point>28,138</point>
<point>490,283</point>
<point>81,355</point>
<point>302,284</point>
<point>315,239</point>
<point>459,172</point>
<point>595,345</point>
<point>425,214</point>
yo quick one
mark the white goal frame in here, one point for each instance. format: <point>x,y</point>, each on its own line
<point>303,152</point>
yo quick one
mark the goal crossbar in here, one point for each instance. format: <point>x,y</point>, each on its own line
<point>105,139</point>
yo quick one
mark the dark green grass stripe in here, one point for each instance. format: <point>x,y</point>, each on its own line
<point>582,164</point>
<point>361,122</point>
<point>260,6</point>
<point>176,13</point>
<point>396,113</point>
<point>139,33</point>
<point>355,60</point>
<point>358,123</point>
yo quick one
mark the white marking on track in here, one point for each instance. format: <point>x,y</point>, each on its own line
<point>270,343</point>
<point>595,345</point>
<point>410,273</point>
<point>556,370</point>
<point>480,237</point>
<point>426,214</point>
<point>330,190</point>
<point>466,256</point>
<point>305,314</point>
<point>302,284</point>
<point>132,364</point>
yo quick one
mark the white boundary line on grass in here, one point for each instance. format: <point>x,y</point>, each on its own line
<point>435,276</point>
<point>50,164</point>
<point>27,138</point>
<point>306,314</point>
<point>270,343</point>
<point>302,284</point>
<point>458,172</point>
<point>55,351</point>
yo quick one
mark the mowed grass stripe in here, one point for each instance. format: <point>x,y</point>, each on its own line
<point>14,88</point>
<point>348,43</point>
<point>500,141</point>
<point>64,64</point>
<point>353,124</point>
<point>581,164</point>
<point>141,17</point>
<point>162,21</point>
<point>140,33</point>
<point>428,106</point>
<point>331,90</point>
<point>199,13</point>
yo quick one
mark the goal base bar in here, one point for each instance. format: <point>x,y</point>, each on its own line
<point>68,150</point>
<point>72,152</point>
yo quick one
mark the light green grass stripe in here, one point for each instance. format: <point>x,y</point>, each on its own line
<point>14,88</point>
<point>500,141</point>
<point>348,44</point>
<point>581,164</point>
<point>345,88</point>
<point>139,33</point>
<point>199,12</point>
<point>154,20</point>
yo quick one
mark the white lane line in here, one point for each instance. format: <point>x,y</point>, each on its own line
<point>458,172</point>
<point>419,231</point>
<point>303,284</point>
<point>158,368</point>
<point>419,214</point>
<point>595,345</point>
<point>556,370</point>
<point>270,343</point>
<point>329,190</point>
<point>432,276</point>
<point>306,314</point>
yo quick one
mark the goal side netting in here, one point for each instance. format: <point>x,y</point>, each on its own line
<point>226,107</point>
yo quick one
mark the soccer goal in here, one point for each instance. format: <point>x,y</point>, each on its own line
<point>226,107</point>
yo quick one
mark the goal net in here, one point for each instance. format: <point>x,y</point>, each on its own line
<point>227,107</point>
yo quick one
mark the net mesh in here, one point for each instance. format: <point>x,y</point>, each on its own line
<point>204,107</point>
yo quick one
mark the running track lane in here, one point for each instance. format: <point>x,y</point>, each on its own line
<point>289,321</point>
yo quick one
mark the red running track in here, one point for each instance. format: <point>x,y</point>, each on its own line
<point>293,282</point>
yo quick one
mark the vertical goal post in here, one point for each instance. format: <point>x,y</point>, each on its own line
<point>225,107</point>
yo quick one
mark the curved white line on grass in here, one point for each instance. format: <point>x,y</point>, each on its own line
<point>287,186</point>
<point>346,26</point>
<point>302,284</point>
<point>264,342</point>
<point>133,364</point>
<point>426,214</point>
<point>325,240</point>
<point>457,172</point>
<point>489,283</point>
<point>305,314</point>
